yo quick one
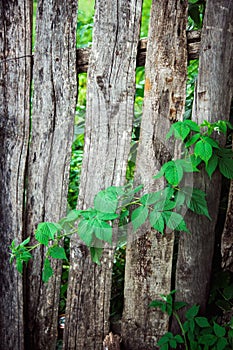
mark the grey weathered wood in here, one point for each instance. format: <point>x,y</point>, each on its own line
<point>15,79</point>
<point>54,101</point>
<point>110,110</point>
<point>193,41</point>
<point>227,235</point>
<point>212,102</point>
<point>149,258</point>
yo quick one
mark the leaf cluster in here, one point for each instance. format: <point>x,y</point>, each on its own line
<point>197,333</point>
<point>160,209</point>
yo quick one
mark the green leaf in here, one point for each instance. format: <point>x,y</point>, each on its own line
<point>173,172</point>
<point>47,271</point>
<point>89,213</point>
<point>151,198</point>
<point>158,304</point>
<point>195,161</point>
<point>226,167</point>
<point>46,231</point>
<point>25,242</point>
<point>106,216</point>
<point>179,199</point>
<point>192,140</point>
<point>181,130</point>
<point>139,216</point>
<point>19,265</point>
<point>198,203</point>
<point>191,124</point>
<point>207,339</point>
<point>106,201</point>
<point>102,230</point>
<point>202,322</point>
<point>203,150</point>
<point>186,164</point>
<point>157,221</point>
<point>221,344</point>
<point>96,254</point>
<point>211,141</point>
<point>192,312</point>
<point>212,165</point>
<point>179,305</point>
<point>170,133</point>
<point>73,215</point>
<point>25,256</point>
<point>219,330</point>
<point>179,339</point>
<point>57,252</point>
<point>174,221</point>
<point>85,231</point>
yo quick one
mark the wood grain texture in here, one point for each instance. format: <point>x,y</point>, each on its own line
<point>109,117</point>
<point>149,258</point>
<point>212,100</point>
<point>15,80</point>
<point>54,101</point>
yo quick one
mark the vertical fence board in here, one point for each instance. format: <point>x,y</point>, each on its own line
<point>54,101</point>
<point>149,258</point>
<point>110,109</point>
<point>212,101</point>
<point>15,79</point>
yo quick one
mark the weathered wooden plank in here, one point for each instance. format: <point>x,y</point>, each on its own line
<point>109,117</point>
<point>212,101</point>
<point>149,257</point>
<point>193,46</point>
<point>15,80</point>
<point>54,101</point>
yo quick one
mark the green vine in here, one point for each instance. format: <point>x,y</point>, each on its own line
<point>161,209</point>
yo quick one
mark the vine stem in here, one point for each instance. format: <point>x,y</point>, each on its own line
<point>182,329</point>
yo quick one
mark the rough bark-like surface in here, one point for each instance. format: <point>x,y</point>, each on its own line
<point>54,101</point>
<point>149,258</point>
<point>212,102</point>
<point>227,236</point>
<point>193,41</point>
<point>15,80</point>
<point>110,109</point>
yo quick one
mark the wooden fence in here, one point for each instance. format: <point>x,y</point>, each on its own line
<point>35,155</point>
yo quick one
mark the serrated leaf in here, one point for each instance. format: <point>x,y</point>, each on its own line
<point>25,242</point>
<point>157,221</point>
<point>211,141</point>
<point>219,330</point>
<point>174,221</point>
<point>57,252</point>
<point>195,161</point>
<point>221,344</point>
<point>25,256</point>
<point>192,312</point>
<point>207,339</point>
<point>212,165</point>
<point>96,254</point>
<point>106,201</point>
<point>85,232</point>
<point>89,213</point>
<point>179,199</point>
<point>191,124</point>
<point>151,198</point>
<point>181,130</point>
<point>102,230</point>
<point>192,140</point>
<point>73,215</point>
<point>179,339</point>
<point>173,172</point>
<point>46,231</point>
<point>157,303</point>
<point>139,216</point>
<point>186,164</point>
<point>179,305</point>
<point>47,271</point>
<point>172,343</point>
<point>203,150</point>
<point>19,265</point>
<point>198,203</point>
<point>202,322</point>
<point>106,216</point>
<point>226,167</point>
